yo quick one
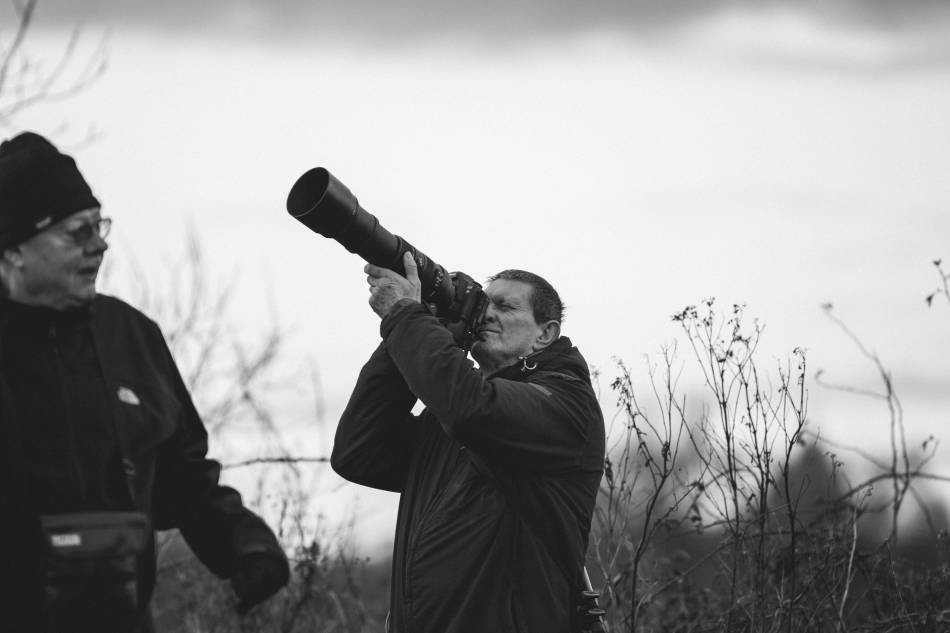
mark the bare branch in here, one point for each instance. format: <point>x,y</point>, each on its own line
<point>23,81</point>
<point>25,16</point>
<point>944,286</point>
<point>276,460</point>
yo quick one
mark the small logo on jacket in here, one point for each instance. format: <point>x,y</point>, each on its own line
<point>66,540</point>
<point>128,396</point>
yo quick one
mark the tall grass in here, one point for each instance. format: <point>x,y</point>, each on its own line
<point>721,510</point>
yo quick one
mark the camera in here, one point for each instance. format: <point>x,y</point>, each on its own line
<point>325,206</point>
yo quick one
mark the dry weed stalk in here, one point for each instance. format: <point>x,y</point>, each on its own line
<point>714,518</point>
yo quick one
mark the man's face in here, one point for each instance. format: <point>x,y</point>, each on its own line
<point>509,330</point>
<point>57,268</point>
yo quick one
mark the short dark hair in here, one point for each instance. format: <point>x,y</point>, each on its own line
<point>546,305</point>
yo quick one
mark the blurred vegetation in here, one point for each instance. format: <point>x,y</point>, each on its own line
<point>331,590</point>
<point>736,516</point>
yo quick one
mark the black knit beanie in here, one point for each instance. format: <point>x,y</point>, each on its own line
<point>39,186</point>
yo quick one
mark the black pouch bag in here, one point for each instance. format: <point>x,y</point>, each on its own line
<point>91,564</point>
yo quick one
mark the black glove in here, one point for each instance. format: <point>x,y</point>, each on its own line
<point>258,576</point>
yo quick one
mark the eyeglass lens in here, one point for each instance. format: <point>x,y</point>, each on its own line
<point>83,233</point>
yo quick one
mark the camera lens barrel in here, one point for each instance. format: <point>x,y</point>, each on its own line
<point>326,206</point>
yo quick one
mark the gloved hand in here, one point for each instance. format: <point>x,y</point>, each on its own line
<point>258,576</point>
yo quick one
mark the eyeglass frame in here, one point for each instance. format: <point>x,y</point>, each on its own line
<point>83,234</point>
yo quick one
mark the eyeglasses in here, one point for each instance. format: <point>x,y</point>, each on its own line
<point>82,234</point>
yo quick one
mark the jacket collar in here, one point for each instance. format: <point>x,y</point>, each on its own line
<point>24,317</point>
<point>559,356</point>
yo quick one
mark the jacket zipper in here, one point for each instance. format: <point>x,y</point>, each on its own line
<point>129,471</point>
<point>60,373</point>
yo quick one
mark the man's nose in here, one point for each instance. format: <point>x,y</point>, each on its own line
<point>96,245</point>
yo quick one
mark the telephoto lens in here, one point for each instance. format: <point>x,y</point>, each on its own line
<point>325,206</point>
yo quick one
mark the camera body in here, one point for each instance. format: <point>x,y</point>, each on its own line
<point>326,206</point>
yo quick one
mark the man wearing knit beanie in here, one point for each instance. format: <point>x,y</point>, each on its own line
<point>38,187</point>
<point>100,443</point>
<point>41,188</point>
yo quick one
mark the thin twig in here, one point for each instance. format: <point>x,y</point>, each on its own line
<point>276,460</point>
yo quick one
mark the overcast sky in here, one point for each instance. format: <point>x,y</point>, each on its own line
<point>485,18</point>
<point>780,154</point>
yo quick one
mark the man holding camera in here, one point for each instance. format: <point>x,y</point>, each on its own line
<point>498,475</point>
<point>100,443</point>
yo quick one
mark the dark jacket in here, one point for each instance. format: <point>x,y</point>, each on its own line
<point>71,381</point>
<point>498,477</point>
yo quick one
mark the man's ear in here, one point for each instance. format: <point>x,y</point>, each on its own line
<point>9,262</point>
<point>550,331</point>
<point>12,257</point>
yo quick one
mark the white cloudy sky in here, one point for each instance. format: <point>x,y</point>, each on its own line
<point>641,155</point>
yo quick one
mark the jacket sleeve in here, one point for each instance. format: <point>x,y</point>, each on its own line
<point>374,438</point>
<point>187,495</point>
<point>539,424</point>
